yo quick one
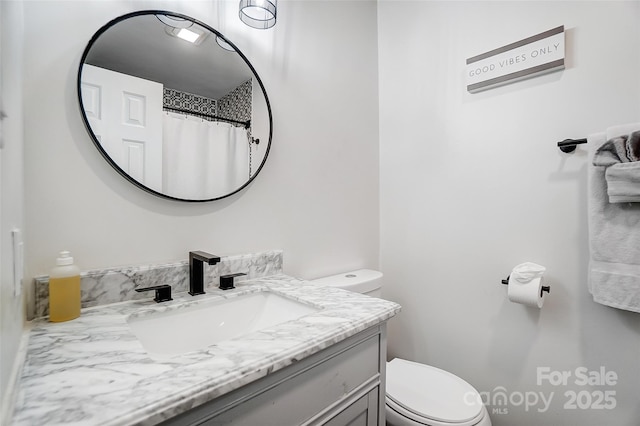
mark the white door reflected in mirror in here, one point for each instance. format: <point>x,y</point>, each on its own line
<point>125,114</point>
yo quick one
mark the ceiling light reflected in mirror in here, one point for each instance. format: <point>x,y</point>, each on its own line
<point>226,46</point>
<point>174,21</point>
<point>192,34</point>
<point>188,35</point>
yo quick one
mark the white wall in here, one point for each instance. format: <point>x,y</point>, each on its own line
<point>11,195</point>
<point>316,198</point>
<point>473,184</point>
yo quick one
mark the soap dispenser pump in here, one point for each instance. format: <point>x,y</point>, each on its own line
<point>64,289</point>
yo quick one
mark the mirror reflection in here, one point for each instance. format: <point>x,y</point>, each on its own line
<point>174,106</point>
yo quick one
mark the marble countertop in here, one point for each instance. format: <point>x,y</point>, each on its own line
<point>94,371</point>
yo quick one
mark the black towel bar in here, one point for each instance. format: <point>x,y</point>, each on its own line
<point>569,145</point>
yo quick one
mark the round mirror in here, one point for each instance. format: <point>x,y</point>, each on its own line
<point>174,106</point>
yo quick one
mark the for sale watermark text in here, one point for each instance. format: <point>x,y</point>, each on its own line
<point>589,390</point>
<point>581,376</point>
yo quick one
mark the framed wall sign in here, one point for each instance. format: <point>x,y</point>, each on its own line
<point>536,55</point>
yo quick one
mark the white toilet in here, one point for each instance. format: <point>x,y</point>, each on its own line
<point>417,394</point>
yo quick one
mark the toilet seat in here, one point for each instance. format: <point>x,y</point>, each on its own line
<point>431,396</point>
<point>397,415</point>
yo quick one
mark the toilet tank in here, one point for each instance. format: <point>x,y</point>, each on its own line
<point>365,281</point>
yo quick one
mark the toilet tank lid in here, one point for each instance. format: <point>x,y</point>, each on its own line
<point>431,393</point>
<point>360,281</point>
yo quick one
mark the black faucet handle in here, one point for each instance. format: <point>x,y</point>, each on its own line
<point>226,281</point>
<point>163,292</point>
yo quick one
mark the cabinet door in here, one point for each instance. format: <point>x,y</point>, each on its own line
<point>363,412</point>
<point>309,392</point>
<point>299,398</point>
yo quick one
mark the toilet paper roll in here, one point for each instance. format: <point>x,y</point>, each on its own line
<point>529,293</point>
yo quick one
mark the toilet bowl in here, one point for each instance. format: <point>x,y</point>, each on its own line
<point>417,394</point>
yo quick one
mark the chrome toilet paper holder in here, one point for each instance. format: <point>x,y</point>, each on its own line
<point>542,289</point>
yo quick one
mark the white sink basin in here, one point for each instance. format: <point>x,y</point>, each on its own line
<point>197,326</point>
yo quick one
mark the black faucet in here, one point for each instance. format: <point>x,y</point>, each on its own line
<point>196,270</point>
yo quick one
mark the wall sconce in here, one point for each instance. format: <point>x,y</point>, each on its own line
<point>260,14</point>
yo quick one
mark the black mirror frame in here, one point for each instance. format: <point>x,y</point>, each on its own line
<point>99,146</point>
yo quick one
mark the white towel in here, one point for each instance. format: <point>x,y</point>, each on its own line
<point>620,156</point>
<point>614,236</point>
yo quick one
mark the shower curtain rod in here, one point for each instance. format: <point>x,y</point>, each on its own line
<point>245,124</point>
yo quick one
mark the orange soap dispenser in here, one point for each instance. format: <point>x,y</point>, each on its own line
<point>64,289</point>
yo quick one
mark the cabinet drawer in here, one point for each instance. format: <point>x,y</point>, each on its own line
<point>297,393</point>
<point>299,398</point>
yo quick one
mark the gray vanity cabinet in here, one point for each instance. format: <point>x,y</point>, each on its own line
<point>338,386</point>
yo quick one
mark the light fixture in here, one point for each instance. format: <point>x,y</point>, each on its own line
<point>188,35</point>
<point>182,28</point>
<point>259,14</point>
<point>193,34</point>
